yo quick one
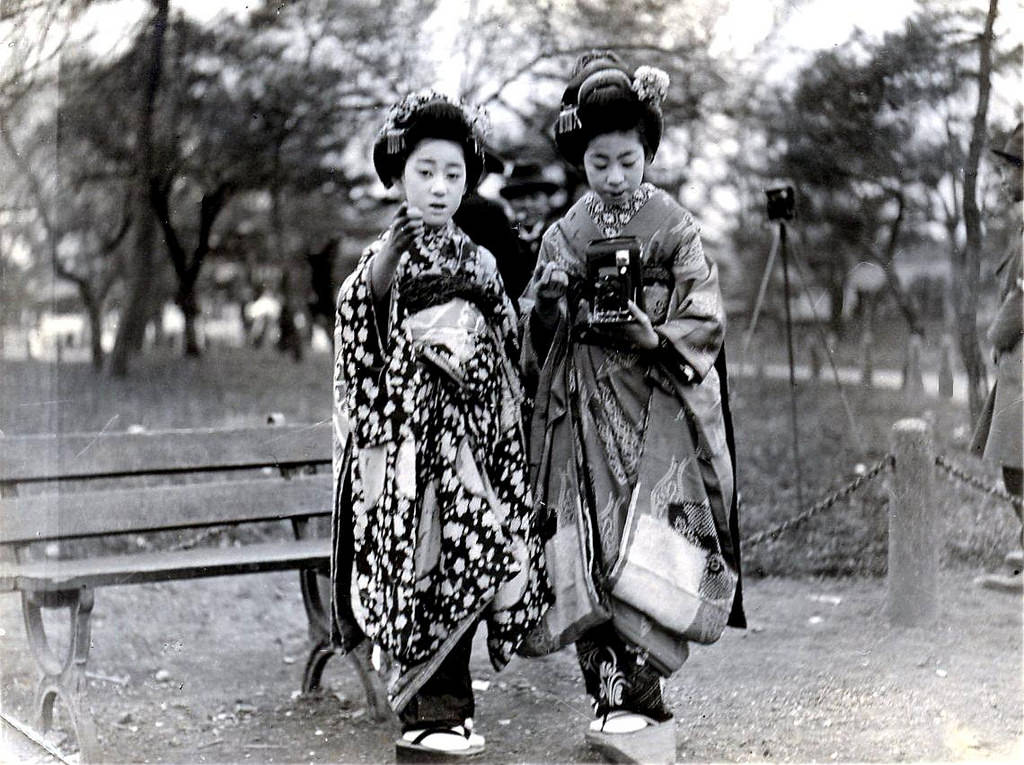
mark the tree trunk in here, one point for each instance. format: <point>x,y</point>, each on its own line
<point>140,293</point>
<point>186,300</point>
<point>968,266</point>
<point>95,314</point>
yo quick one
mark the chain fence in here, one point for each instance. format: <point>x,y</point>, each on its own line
<point>830,500</point>
<point>946,467</point>
<point>955,473</point>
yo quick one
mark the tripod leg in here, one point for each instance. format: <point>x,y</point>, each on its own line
<point>792,366</point>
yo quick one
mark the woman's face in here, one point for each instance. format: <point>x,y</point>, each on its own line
<point>434,179</point>
<point>614,164</point>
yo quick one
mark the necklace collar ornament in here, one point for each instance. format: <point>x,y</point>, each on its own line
<point>611,219</point>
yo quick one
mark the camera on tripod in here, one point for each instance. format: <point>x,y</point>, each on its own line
<point>781,203</point>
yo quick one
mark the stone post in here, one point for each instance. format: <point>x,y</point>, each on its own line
<point>914,527</point>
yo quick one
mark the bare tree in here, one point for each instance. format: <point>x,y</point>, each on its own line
<point>967,261</point>
<point>139,302</point>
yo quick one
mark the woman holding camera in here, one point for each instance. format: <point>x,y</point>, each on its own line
<point>631,449</point>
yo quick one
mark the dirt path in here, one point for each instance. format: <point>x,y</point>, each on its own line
<point>208,671</point>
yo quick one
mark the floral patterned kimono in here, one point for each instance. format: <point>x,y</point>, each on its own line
<point>618,427</point>
<point>433,523</point>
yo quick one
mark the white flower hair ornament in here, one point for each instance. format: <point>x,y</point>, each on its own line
<point>396,120</point>
<point>651,85</point>
<point>480,122</point>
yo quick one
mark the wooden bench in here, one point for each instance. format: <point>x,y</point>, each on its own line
<point>80,493</point>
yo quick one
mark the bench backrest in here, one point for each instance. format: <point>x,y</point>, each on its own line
<point>270,494</point>
<point>30,459</point>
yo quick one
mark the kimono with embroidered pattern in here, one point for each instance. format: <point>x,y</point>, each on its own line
<point>608,419</point>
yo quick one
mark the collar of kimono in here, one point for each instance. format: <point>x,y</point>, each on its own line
<point>435,240</point>
<point>611,219</point>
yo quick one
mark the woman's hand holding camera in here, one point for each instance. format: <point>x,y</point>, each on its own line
<point>551,289</point>
<point>638,333</point>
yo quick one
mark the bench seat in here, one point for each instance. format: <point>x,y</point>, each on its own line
<point>135,568</point>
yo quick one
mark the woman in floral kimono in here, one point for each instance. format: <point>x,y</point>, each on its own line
<point>631,448</point>
<point>433,523</point>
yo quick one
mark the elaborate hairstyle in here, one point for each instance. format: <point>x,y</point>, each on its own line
<point>429,114</point>
<point>604,96</point>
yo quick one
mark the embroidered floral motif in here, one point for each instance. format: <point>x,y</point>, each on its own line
<point>611,219</point>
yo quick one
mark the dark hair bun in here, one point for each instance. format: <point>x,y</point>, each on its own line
<point>600,98</point>
<point>419,117</point>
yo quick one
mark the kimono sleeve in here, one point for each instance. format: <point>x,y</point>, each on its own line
<point>535,338</point>
<point>357,356</point>
<point>694,328</point>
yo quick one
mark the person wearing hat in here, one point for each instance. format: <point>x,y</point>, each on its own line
<point>998,435</point>
<point>485,222</point>
<point>528,192</point>
<point>433,525</point>
<point>631,445</point>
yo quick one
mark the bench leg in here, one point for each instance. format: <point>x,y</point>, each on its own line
<point>376,694</point>
<point>314,585</point>
<point>63,678</point>
<point>316,598</point>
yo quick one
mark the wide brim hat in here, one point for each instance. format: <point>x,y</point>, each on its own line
<point>527,178</point>
<point>429,114</point>
<point>1013,149</point>
<point>604,95</point>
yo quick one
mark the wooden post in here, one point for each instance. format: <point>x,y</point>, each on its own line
<point>913,379</point>
<point>946,368</point>
<point>914,528</point>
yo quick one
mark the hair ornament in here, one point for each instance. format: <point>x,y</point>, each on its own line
<point>568,120</point>
<point>479,120</point>
<point>650,85</point>
<point>395,140</point>
<point>398,115</point>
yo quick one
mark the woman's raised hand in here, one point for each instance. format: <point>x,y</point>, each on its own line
<point>408,224</point>
<point>551,288</point>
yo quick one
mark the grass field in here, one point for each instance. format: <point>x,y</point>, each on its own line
<point>234,387</point>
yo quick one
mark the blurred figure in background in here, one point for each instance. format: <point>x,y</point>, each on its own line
<point>484,221</point>
<point>999,432</point>
<point>529,194</point>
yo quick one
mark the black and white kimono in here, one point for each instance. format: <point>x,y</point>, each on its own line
<point>433,521</point>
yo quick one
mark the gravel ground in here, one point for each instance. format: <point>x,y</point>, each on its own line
<point>209,671</point>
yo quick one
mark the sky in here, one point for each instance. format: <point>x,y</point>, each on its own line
<point>818,23</point>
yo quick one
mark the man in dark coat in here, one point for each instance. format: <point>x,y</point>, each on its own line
<point>998,435</point>
<point>529,193</point>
